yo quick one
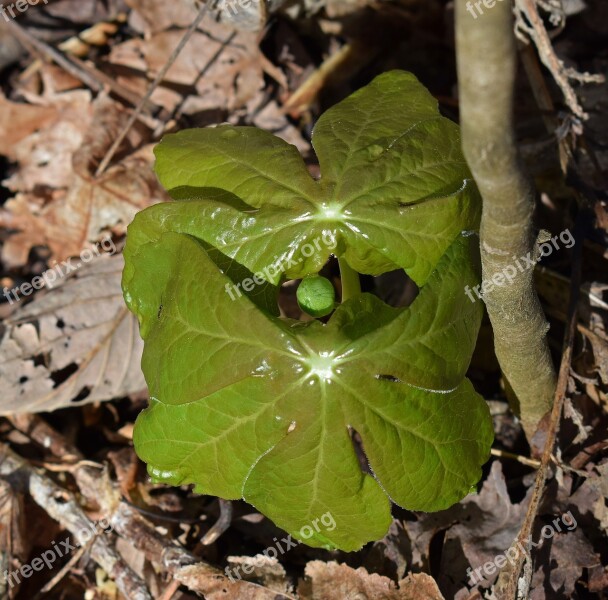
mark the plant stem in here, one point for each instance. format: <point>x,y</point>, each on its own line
<point>487,60</point>
<point>351,285</point>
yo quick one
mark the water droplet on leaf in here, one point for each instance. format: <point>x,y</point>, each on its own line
<point>374,152</point>
<point>229,134</point>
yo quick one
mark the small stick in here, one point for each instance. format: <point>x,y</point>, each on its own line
<point>88,75</point>
<point>36,46</point>
<point>157,80</point>
<point>524,460</point>
<point>63,571</point>
<point>38,430</point>
<point>61,505</point>
<point>170,590</point>
<point>184,567</point>
<point>221,525</point>
<point>562,75</point>
<point>506,587</point>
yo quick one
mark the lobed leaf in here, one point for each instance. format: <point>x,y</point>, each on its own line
<point>281,413</point>
<point>395,190</point>
<point>246,405</point>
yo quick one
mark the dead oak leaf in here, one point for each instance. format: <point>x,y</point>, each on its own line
<point>74,345</point>
<point>490,520</point>
<point>333,581</point>
<point>567,553</point>
<point>85,208</point>
<point>18,120</point>
<point>233,70</point>
<point>41,138</point>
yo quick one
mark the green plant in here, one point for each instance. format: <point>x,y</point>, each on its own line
<point>316,296</point>
<point>245,404</point>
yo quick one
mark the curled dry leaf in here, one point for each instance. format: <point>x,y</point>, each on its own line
<point>214,586</point>
<point>60,204</point>
<point>267,570</point>
<point>74,345</point>
<point>333,581</point>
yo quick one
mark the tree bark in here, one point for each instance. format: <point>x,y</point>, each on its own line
<point>486,58</point>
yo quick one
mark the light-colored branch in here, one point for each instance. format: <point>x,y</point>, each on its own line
<point>63,507</point>
<point>486,72</point>
<point>99,490</point>
<point>183,566</point>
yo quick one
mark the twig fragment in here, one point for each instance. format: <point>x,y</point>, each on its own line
<point>61,505</point>
<point>87,74</point>
<point>509,586</point>
<point>221,525</point>
<point>529,25</point>
<point>157,80</point>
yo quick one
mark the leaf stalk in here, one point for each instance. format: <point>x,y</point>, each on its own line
<point>351,284</point>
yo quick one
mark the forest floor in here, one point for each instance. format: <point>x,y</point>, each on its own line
<point>70,379</point>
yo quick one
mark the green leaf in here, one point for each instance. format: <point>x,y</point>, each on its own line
<point>395,190</point>
<point>246,405</point>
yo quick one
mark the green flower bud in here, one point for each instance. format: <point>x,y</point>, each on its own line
<point>316,296</point>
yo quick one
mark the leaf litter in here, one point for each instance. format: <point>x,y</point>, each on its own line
<point>75,343</point>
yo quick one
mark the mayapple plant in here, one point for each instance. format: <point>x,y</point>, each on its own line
<point>246,404</point>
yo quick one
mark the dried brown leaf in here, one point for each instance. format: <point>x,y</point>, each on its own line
<point>214,586</point>
<point>233,74</point>
<point>152,16</point>
<point>568,554</point>
<point>491,520</point>
<point>266,570</point>
<point>65,208</point>
<point>17,121</point>
<point>333,581</point>
<point>76,344</point>
<point>44,153</point>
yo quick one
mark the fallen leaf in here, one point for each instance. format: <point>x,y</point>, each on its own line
<point>214,586</point>
<point>265,569</point>
<point>567,554</point>
<point>272,119</point>
<point>76,344</point>
<point>333,581</point>
<point>480,527</point>
<point>232,65</point>
<point>152,16</point>
<point>44,153</point>
<point>74,208</point>
<point>490,520</point>
<point>17,121</point>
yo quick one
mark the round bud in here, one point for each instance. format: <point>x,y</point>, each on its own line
<point>316,296</point>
